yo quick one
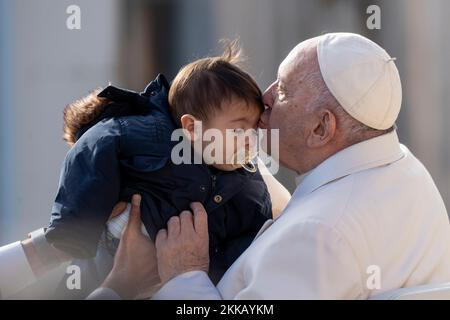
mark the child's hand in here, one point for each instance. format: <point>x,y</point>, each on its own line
<point>118,220</point>
<point>118,209</point>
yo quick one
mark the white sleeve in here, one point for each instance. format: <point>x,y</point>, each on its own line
<point>15,271</point>
<point>307,260</point>
<point>193,285</point>
<point>103,293</point>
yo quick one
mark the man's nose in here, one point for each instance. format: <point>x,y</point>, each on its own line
<point>268,96</point>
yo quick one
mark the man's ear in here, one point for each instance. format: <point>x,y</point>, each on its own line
<point>188,124</point>
<point>323,131</point>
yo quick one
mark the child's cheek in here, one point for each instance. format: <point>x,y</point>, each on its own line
<point>230,149</point>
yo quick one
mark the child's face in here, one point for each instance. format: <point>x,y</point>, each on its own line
<point>234,119</point>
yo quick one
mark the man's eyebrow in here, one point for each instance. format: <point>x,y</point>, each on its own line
<point>282,86</point>
<point>279,84</point>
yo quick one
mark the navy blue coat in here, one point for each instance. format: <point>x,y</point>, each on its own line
<point>127,151</point>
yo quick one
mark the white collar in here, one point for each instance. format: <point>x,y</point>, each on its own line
<point>368,154</point>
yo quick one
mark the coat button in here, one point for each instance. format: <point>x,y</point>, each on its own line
<point>202,188</point>
<point>153,93</point>
<point>217,198</point>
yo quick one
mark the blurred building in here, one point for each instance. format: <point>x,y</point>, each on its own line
<point>44,66</point>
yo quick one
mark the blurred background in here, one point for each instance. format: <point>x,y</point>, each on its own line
<point>44,66</point>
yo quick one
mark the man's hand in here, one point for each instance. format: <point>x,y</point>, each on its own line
<point>184,246</point>
<point>135,268</point>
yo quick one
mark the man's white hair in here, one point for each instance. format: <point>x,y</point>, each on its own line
<point>355,131</point>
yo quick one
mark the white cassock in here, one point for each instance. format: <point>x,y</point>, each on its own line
<point>369,216</point>
<point>15,271</point>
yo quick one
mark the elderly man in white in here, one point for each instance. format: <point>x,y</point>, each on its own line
<point>363,204</point>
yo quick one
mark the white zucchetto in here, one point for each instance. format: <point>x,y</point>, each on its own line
<point>362,77</point>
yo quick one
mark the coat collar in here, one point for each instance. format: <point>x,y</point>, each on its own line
<point>159,85</point>
<point>365,155</point>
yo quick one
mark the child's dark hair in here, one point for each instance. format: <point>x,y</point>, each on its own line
<point>202,86</point>
<point>199,89</point>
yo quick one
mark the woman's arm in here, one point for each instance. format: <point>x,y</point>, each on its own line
<point>279,194</point>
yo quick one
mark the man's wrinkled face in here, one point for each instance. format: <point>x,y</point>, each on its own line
<point>286,101</point>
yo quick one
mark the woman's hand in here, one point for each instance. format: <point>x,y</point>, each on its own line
<point>135,269</point>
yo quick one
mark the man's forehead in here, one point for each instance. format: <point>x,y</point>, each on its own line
<point>288,64</point>
<point>297,57</point>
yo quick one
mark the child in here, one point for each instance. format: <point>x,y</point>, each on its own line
<point>121,145</point>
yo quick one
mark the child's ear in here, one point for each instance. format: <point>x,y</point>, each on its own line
<point>188,124</point>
